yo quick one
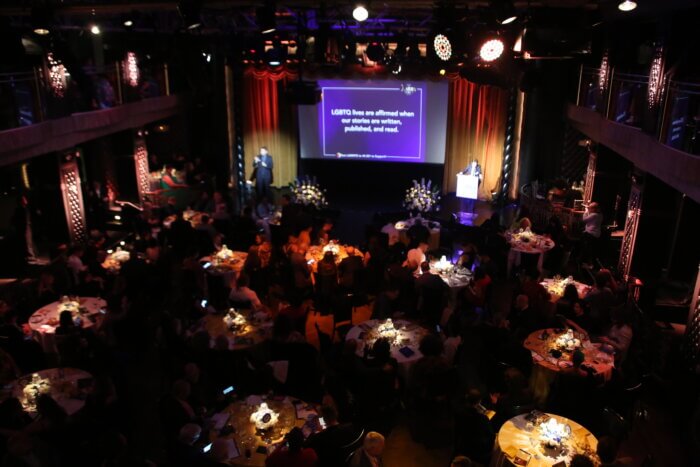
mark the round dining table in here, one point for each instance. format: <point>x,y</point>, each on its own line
<point>521,441</point>
<point>67,386</point>
<point>316,253</point>
<point>45,320</point>
<point>547,366</point>
<point>253,328</point>
<point>555,287</point>
<point>193,217</point>
<point>247,445</point>
<point>527,242</point>
<point>229,265</point>
<point>404,338</point>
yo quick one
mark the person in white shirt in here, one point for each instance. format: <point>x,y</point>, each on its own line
<point>593,221</point>
<point>416,255</point>
<point>242,293</point>
<point>75,263</point>
<point>392,232</point>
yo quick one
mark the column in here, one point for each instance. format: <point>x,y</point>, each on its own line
<point>634,210</point>
<point>143,175</point>
<point>72,192</point>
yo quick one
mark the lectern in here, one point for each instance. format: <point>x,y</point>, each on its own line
<point>467,186</point>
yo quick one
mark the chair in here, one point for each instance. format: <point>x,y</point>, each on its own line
<point>615,425</point>
<point>349,449</point>
<point>325,341</point>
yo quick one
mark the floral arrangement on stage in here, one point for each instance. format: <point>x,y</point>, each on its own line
<point>422,197</point>
<point>308,192</point>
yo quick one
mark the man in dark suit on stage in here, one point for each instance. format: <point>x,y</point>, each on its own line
<point>262,173</point>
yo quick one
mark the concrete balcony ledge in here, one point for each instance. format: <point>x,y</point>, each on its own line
<point>676,168</point>
<point>22,143</point>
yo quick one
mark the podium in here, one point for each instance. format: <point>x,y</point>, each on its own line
<point>467,186</point>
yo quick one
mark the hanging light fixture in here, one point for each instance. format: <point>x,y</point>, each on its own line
<point>627,5</point>
<point>656,77</point>
<point>131,70</point>
<point>604,72</point>
<point>57,75</point>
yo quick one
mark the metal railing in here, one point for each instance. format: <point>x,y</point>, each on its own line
<point>680,125</point>
<point>27,99</point>
<point>622,98</point>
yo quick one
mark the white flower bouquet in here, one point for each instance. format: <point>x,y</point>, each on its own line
<point>308,192</point>
<point>422,197</point>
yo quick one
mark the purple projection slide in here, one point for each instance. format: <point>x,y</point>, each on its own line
<point>384,121</point>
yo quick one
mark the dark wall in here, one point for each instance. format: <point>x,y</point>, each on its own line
<point>547,86</point>
<point>380,183</point>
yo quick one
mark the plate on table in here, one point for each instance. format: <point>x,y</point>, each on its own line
<point>564,364</point>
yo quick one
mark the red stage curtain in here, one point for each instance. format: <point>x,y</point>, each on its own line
<point>268,122</point>
<point>475,130</point>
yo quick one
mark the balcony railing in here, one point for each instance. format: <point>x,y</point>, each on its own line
<point>622,98</point>
<point>26,97</point>
<point>680,127</point>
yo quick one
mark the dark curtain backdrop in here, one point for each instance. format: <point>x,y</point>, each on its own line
<point>476,122</point>
<point>269,121</point>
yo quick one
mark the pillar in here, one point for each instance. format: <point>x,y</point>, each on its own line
<point>143,182</point>
<point>72,192</point>
<point>634,210</point>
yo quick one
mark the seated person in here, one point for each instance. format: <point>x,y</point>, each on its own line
<point>370,453</point>
<point>330,442</point>
<point>293,454</point>
<point>474,435</point>
<point>242,293</point>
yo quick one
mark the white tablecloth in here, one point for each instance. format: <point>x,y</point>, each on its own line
<point>44,321</point>
<point>63,388</point>
<point>409,331</point>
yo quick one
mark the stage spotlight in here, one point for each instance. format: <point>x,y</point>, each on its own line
<point>509,19</point>
<point>627,5</point>
<point>375,51</point>
<point>267,21</point>
<point>275,54</point>
<point>190,12</point>
<point>41,17</point>
<point>95,29</point>
<point>491,50</point>
<point>360,13</point>
<point>442,72</point>
<point>442,47</point>
<point>128,23</point>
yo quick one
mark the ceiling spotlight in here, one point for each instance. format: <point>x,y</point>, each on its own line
<point>95,29</point>
<point>41,17</point>
<point>442,72</point>
<point>266,18</point>
<point>190,12</point>
<point>128,23</point>
<point>442,47</point>
<point>491,50</point>
<point>360,13</point>
<point>509,19</point>
<point>627,5</point>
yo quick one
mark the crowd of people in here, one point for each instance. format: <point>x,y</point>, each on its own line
<point>158,376</point>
